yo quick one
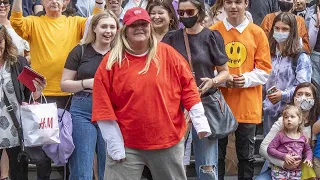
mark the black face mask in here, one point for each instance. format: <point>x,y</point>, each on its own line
<point>189,22</point>
<point>285,6</point>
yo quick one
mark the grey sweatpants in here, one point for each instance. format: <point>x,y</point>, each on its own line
<point>163,163</point>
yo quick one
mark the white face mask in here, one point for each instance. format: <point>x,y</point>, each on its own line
<point>280,37</point>
<point>304,103</point>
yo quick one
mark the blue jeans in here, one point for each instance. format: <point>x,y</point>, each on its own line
<point>206,154</point>
<point>266,175</point>
<point>87,139</point>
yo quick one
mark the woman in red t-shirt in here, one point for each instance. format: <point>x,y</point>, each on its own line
<point>138,91</point>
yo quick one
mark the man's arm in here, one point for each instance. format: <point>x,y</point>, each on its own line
<point>17,6</point>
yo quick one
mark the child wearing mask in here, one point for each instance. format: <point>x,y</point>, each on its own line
<point>287,6</point>
<point>304,97</point>
<point>290,144</point>
<point>284,46</point>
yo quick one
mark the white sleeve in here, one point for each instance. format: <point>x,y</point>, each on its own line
<point>313,31</point>
<point>112,136</point>
<point>277,126</point>
<point>199,120</point>
<point>255,78</point>
<point>86,29</point>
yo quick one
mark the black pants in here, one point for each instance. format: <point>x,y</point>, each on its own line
<point>44,168</point>
<point>245,149</point>
<point>17,170</point>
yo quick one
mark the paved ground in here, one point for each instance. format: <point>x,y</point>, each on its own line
<point>57,176</point>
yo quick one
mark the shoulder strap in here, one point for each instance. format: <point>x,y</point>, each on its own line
<point>82,50</point>
<point>295,59</point>
<point>14,120</point>
<point>186,43</point>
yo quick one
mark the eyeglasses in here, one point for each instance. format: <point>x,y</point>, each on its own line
<point>5,3</point>
<point>190,12</point>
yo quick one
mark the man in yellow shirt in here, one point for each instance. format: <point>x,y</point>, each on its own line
<point>51,38</point>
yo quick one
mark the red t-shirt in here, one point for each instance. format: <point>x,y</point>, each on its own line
<point>147,106</point>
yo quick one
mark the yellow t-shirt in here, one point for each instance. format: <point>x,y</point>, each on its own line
<point>246,51</point>
<point>51,40</point>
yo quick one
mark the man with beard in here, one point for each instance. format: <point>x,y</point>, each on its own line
<point>51,38</point>
<point>287,6</point>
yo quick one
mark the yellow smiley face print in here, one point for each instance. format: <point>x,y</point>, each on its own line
<point>237,54</point>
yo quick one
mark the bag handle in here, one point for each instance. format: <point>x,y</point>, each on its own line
<point>65,107</point>
<point>187,45</point>
<point>17,126</point>
<point>41,96</point>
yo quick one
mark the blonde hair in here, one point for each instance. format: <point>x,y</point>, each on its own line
<point>121,44</point>
<point>298,113</point>
<point>90,37</point>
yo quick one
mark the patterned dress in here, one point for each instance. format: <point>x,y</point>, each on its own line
<point>8,132</point>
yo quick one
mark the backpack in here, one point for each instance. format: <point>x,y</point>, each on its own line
<point>294,68</point>
<point>60,153</point>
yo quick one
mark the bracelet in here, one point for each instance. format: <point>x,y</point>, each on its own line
<point>82,84</point>
<point>99,2</point>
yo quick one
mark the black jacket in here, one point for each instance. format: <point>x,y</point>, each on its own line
<point>22,92</point>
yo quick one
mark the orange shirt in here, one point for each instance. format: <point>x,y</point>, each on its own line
<point>246,51</point>
<point>267,22</point>
<point>147,106</point>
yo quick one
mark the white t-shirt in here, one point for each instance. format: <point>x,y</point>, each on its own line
<point>20,43</point>
<point>85,7</point>
<point>132,4</point>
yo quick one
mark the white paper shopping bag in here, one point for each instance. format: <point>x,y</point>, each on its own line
<point>40,124</point>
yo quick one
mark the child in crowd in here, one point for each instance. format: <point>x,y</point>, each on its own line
<point>290,142</point>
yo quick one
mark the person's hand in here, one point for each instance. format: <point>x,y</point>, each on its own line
<point>208,84</point>
<point>289,159</point>
<point>294,165</point>
<point>229,82</point>
<point>39,84</point>
<point>202,134</point>
<point>275,97</point>
<point>308,162</point>
<point>239,81</point>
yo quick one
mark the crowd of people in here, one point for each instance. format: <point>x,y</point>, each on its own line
<point>137,70</point>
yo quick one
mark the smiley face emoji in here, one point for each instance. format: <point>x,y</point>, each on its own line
<point>237,54</point>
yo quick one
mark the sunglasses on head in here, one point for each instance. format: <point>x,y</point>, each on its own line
<point>5,3</point>
<point>189,12</point>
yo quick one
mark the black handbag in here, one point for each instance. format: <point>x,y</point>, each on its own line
<point>32,155</point>
<point>220,117</point>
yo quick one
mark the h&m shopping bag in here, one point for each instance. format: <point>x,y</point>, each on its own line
<point>40,124</point>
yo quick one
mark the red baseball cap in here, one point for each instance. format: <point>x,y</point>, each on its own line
<point>135,14</point>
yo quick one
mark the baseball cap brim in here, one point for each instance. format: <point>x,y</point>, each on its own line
<point>134,19</point>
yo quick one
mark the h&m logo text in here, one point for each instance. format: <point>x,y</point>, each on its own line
<point>46,123</point>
